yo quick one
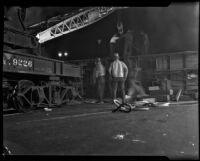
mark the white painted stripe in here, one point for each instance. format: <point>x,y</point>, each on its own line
<point>4,115</point>
<point>65,117</point>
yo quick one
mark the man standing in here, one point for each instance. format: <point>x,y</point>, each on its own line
<point>118,71</point>
<point>99,72</point>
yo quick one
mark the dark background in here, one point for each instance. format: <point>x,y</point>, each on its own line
<point>170,29</point>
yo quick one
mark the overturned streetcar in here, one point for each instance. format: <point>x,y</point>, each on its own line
<point>31,80</point>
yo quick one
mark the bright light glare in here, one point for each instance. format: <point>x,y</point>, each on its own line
<point>59,54</point>
<point>65,54</point>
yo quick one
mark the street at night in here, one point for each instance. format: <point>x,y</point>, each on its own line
<point>94,130</point>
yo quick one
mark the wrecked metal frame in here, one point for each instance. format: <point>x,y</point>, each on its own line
<point>74,23</point>
<point>168,71</point>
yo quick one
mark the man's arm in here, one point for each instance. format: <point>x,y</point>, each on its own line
<point>104,69</point>
<point>94,75</point>
<point>125,70</point>
<point>110,69</point>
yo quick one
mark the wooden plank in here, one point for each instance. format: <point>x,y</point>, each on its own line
<point>176,62</point>
<point>43,66</point>
<point>71,70</point>
<point>192,87</point>
<point>58,68</point>
<point>191,61</point>
<point>177,84</point>
<point>161,63</point>
<point>192,82</point>
<point>177,76</point>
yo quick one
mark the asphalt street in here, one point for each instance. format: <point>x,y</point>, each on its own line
<point>90,129</point>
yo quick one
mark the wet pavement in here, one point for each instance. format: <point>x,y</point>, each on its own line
<point>90,129</point>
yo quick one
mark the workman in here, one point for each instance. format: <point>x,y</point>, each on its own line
<point>100,73</point>
<point>118,71</point>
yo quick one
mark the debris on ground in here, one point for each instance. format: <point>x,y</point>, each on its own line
<point>127,107</point>
<point>6,151</point>
<point>191,143</point>
<point>140,103</point>
<point>149,100</point>
<point>119,137</point>
<point>159,104</point>
<point>137,140</point>
<point>178,95</point>
<point>144,105</point>
<point>184,102</point>
<point>141,109</point>
<point>47,109</point>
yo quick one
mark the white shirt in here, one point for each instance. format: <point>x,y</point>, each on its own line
<point>118,69</point>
